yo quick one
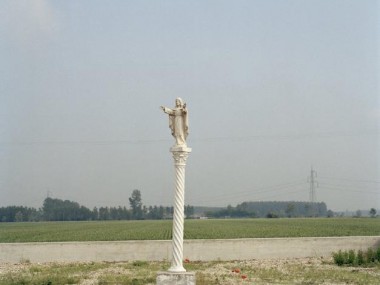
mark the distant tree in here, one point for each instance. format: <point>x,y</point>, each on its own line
<point>272,215</point>
<point>330,214</point>
<point>189,211</point>
<point>308,210</point>
<point>161,212</point>
<point>126,214</point>
<point>155,213</point>
<point>135,202</point>
<point>95,214</point>
<point>19,217</point>
<point>273,208</point>
<point>144,211</point>
<point>358,213</point>
<point>19,214</point>
<point>322,209</point>
<point>290,210</point>
<point>35,215</point>
<point>372,212</point>
<point>114,213</point>
<point>59,210</point>
<point>104,213</point>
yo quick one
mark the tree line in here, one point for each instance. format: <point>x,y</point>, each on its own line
<point>273,209</point>
<point>65,210</point>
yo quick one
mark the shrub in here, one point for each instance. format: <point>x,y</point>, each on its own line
<point>351,257</point>
<point>360,258</point>
<point>338,258</point>
<point>370,256</point>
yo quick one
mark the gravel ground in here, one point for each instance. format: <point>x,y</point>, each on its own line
<point>278,271</point>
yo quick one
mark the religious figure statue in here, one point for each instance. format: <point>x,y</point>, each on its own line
<point>178,122</point>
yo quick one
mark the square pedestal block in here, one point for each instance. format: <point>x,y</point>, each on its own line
<point>171,278</point>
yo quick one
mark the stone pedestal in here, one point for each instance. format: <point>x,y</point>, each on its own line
<point>173,278</point>
<point>180,154</point>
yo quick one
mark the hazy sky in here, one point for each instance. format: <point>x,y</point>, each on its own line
<point>272,87</point>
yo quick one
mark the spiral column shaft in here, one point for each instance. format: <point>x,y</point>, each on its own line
<point>180,157</point>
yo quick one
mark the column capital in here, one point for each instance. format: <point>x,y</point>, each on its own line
<point>180,148</point>
<point>180,154</point>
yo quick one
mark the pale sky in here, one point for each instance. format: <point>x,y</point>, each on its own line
<point>272,87</point>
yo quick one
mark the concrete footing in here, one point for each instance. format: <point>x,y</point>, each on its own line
<point>172,278</point>
<point>203,250</point>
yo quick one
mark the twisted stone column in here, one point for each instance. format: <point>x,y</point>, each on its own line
<point>180,155</point>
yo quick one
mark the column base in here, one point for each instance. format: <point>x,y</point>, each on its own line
<point>175,278</point>
<point>177,269</point>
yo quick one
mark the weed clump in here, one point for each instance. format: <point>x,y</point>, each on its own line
<point>360,258</point>
<point>140,263</point>
<point>338,258</point>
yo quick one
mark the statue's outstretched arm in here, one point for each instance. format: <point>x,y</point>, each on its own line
<point>167,110</point>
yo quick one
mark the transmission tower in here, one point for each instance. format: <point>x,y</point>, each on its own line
<point>313,185</point>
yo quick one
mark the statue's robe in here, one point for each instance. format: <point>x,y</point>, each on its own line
<point>178,123</point>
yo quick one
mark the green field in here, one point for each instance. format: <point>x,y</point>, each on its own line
<point>194,229</point>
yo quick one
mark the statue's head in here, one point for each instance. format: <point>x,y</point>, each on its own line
<point>178,102</point>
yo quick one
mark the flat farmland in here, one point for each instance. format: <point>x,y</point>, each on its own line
<point>194,229</point>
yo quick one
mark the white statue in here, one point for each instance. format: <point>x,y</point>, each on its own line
<point>178,121</point>
<point>180,129</point>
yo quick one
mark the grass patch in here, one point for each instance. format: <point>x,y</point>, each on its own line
<point>296,271</point>
<point>50,273</point>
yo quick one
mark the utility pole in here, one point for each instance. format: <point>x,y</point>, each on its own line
<point>313,185</point>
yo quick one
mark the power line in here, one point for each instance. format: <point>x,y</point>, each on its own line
<point>281,194</point>
<point>366,187</point>
<point>291,136</point>
<point>94,142</point>
<point>350,180</point>
<point>251,193</point>
<point>205,139</point>
<point>255,191</point>
<point>264,197</point>
<point>327,186</point>
<point>313,184</point>
<point>254,194</point>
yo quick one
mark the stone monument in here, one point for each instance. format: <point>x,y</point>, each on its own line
<point>178,123</point>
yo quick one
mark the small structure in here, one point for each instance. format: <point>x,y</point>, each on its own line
<point>178,123</point>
